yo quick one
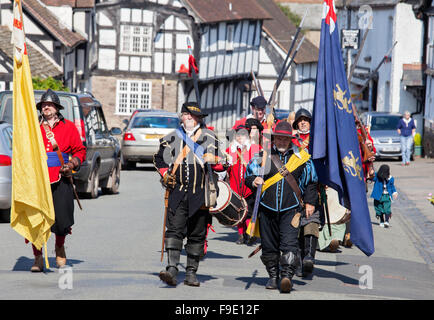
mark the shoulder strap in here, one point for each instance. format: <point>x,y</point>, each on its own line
<point>288,176</point>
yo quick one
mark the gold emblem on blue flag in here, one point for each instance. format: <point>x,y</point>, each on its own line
<point>351,166</point>
<point>341,99</point>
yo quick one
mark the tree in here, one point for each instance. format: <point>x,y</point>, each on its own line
<point>48,83</point>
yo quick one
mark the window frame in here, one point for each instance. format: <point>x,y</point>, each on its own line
<point>132,37</point>
<point>128,92</point>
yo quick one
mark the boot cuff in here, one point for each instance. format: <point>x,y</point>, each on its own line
<point>174,244</point>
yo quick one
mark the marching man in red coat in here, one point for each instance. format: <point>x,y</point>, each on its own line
<point>61,139</point>
<point>241,150</point>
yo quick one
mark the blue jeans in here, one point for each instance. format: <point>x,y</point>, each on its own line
<point>406,144</point>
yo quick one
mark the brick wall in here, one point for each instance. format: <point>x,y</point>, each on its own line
<point>104,89</point>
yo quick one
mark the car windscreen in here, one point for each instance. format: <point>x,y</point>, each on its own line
<point>155,122</point>
<point>6,106</point>
<point>384,122</point>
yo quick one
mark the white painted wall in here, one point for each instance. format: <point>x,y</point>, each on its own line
<point>390,24</point>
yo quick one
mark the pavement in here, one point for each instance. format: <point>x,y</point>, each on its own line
<point>414,183</point>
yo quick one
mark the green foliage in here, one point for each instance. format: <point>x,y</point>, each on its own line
<point>294,18</point>
<point>48,83</point>
<point>417,139</point>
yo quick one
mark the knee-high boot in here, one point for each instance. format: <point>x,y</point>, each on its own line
<point>194,251</point>
<point>288,265</point>
<point>271,263</point>
<point>173,248</point>
<point>310,243</point>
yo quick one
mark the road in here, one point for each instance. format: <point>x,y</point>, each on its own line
<point>114,253</point>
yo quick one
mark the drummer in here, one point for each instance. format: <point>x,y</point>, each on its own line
<point>191,146</point>
<point>241,150</point>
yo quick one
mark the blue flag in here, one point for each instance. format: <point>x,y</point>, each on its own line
<point>333,141</point>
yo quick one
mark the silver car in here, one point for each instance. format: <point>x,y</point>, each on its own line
<point>5,170</point>
<point>142,134</point>
<point>382,127</point>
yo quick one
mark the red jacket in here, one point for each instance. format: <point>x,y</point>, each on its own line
<point>69,142</point>
<point>237,170</point>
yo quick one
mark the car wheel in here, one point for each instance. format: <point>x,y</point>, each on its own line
<point>116,178</point>
<point>94,184</point>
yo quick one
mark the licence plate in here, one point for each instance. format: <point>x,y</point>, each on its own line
<point>154,136</point>
<point>392,149</point>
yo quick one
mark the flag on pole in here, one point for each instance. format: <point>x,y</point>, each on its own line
<point>32,210</point>
<point>334,145</point>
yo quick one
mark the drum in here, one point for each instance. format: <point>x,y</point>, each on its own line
<point>338,214</point>
<point>230,208</point>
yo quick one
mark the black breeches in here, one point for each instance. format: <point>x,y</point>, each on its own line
<point>180,225</point>
<point>277,233</point>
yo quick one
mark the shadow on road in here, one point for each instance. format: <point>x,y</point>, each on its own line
<point>181,276</point>
<point>231,236</point>
<point>321,273</point>
<point>25,263</point>
<point>329,263</point>
<point>214,255</point>
<point>262,281</point>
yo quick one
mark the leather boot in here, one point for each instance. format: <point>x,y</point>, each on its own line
<point>194,252</point>
<point>288,265</point>
<point>60,256</point>
<point>271,263</point>
<point>310,243</point>
<point>299,270</point>
<point>173,247</point>
<point>38,264</point>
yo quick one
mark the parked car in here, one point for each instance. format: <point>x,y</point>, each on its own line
<point>142,134</point>
<point>382,128</point>
<point>5,170</point>
<point>102,165</point>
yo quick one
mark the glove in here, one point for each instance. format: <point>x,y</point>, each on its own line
<point>67,168</point>
<point>168,181</point>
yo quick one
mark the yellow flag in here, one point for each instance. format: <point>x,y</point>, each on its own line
<point>32,210</point>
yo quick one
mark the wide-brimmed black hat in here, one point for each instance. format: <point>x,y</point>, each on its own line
<point>193,108</point>
<point>301,113</point>
<point>254,122</point>
<point>283,128</point>
<point>49,96</point>
<point>259,102</point>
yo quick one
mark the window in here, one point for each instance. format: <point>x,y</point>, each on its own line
<point>230,38</point>
<point>136,39</point>
<point>132,95</point>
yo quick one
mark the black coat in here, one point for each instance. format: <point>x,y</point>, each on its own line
<point>280,196</point>
<point>190,175</point>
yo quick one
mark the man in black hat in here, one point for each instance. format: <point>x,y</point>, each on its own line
<point>258,105</point>
<point>195,149</point>
<point>63,144</point>
<point>289,182</point>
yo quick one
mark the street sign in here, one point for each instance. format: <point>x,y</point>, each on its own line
<point>350,38</point>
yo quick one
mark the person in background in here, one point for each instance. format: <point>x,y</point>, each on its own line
<point>383,192</point>
<point>406,129</point>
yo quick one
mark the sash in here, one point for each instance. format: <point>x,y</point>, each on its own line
<point>197,149</point>
<point>293,163</point>
<point>54,161</point>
